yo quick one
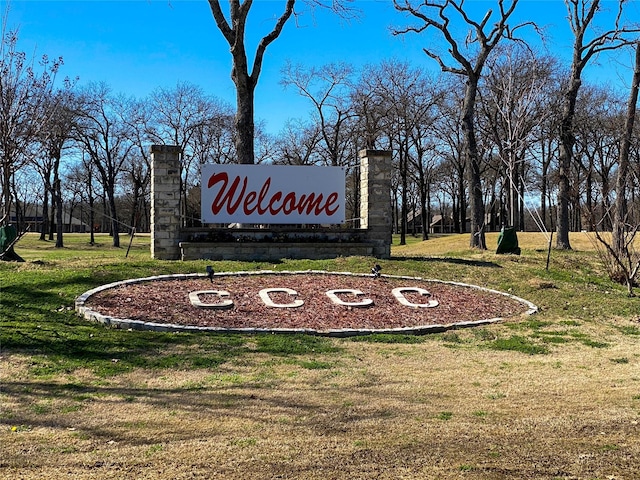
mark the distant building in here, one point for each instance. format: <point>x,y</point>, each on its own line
<point>440,224</point>
<point>414,221</point>
<point>33,218</point>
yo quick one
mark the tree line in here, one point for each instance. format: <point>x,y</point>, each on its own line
<point>504,135</point>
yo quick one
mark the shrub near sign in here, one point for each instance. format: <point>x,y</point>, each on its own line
<point>272,194</point>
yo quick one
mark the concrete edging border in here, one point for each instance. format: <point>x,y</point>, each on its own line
<point>130,324</point>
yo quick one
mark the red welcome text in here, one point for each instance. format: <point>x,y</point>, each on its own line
<point>234,195</point>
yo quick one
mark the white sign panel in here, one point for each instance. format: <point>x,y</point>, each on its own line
<point>272,194</point>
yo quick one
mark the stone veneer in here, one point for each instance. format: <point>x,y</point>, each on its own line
<point>168,241</point>
<point>375,200</point>
<point>165,202</point>
<point>271,251</point>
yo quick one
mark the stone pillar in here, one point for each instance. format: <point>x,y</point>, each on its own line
<point>165,202</point>
<point>375,199</point>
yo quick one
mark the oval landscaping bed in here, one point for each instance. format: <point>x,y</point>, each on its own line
<point>163,303</point>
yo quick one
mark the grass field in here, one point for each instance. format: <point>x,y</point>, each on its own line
<point>553,396</point>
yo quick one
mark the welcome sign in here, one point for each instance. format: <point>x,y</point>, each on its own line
<point>272,194</point>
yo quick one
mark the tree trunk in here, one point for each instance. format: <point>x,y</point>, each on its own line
<point>567,140</point>
<point>245,82</point>
<point>57,199</point>
<point>92,216</point>
<point>59,217</point>
<point>591,226</point>
<point>104,226</point>
<point>427,218</point>
<point>5,215</point>
<point>424,208</point>
<point>522,207</point>
<point>52,218</point>
<point>513,210</point>
<point>455,212</point>
<point>19,211</point>
<point>605,204</point>
<point>543,193</point>
<point>244,120</point>
<point>460,219</point>
<point>492,210</point>
<point>403,208</point>
<point>394,212</point>
<point>245,88</point>
<point>45,214</point>
<point>476,204</point>
<point>114,217</point>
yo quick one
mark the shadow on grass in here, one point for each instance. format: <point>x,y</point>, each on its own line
<point>51,404</point>
<point>58,341</point>
<point>63,345</point>
<point>37,318</point>
<point>453,261</point>
<point>66,345</point>
<point>55,405</point>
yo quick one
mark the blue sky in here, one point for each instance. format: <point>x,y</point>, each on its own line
<point>137,45</point>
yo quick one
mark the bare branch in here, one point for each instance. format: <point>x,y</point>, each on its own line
<point>221,21</point>
<point>269,38</point>
<point>443,66</point>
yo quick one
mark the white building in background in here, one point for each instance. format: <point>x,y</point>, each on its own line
<point>32,217</point>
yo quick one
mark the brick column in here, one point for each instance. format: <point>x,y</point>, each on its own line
<point>165,202</point>
<point>375,199</point>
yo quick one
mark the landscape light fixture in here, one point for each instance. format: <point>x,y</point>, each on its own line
<point>375,271</point>
<point>210,273</point>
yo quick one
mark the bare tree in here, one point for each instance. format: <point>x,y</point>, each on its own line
<point>469,56</point>
<point>298,144</point>
<point>399,93</point>
<point>515,104</point>
<point>43,165</point>
<point>449,144</point>
<point>138,168</point>
<point>544,152</point>
<point>107,138</point>
<point>244,76</point>
<point>618,252</point>
<point>423,162</point>
<point>213,141</point>
<point>137,181</point>
<point>183,116</point>
<point>581,16</point>
<point>244,79</point>
<point>81,175</point>
<point>598,125</point>
<point>174,116</point>
<point>424,110</point>
<point>54,139</point>
<point>23,92</point>
<point>367,107</point>
<point>626,260</point>
<point>622,179</point>
<point>328,88</point>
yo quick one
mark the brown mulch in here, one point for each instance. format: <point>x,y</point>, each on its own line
<point>167,301</point>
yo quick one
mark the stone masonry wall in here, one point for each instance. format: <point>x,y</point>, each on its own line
<point>165,202</point>
<point>375,199</point>
<point>272,251</point>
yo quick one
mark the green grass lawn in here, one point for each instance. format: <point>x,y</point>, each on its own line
<point>555,395</point>
<point>37,296</point>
